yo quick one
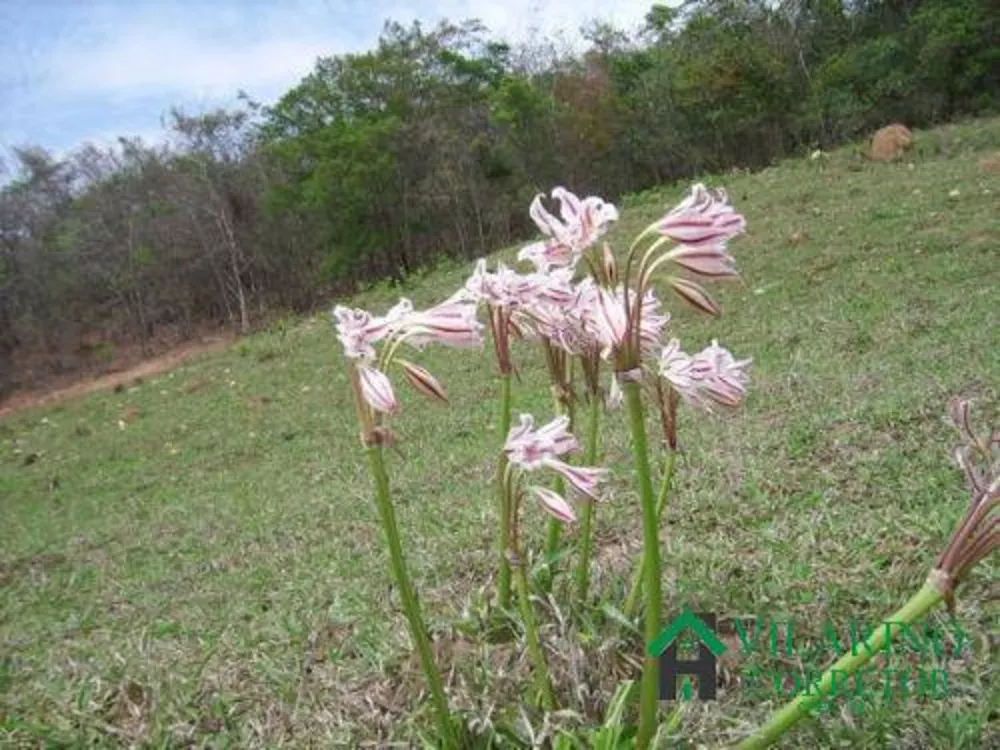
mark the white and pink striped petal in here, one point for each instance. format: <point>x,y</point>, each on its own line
<point>583,479</point>
<point>553,503</point>
<point>377,390</point>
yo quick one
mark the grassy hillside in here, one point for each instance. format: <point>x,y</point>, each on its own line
<point>197,559</point>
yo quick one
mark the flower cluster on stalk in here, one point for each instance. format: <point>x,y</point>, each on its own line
<point>604,316</point>
<point>451,323</point>
<point>978,534</point>
<point>531,448</point>
<point>519,305</point>
<point>581,224</point>
<point>609,314</point>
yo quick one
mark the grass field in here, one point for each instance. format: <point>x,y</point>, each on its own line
<point>196,560</point>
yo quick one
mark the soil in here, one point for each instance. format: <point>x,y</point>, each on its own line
<point>165,362</point>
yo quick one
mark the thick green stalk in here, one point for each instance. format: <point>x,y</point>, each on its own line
<point>586,531</point>
<point>555,526</point>
<point>915,609</point>
<point>504,509</point>
<point>534,644</point>
<point>411,605</point>
<point>555,532</point>
<point>667,484</point>
<point>649,691</point>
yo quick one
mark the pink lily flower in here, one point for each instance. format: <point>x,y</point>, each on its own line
<point>559,230</point>
<point>610,323</point>
<point>530,449</point>
<point>528,446</point>
<point>501,288</point>
<point>582,223</point>
<point>705,260</point>
<point>724,379</point>
<point>712,375</point>
<point>358,331</point>
<point>555,287</point>
<point>583,479</point>
<point>676,366</point>
<point>558,312</point>
<point>452,323</point>
<point>566,330</point>
<point>589,218</point>
<point>704,219</point>
<point>540,321</point>
<point>377,390</point>
<point>509,289</point>
<point>548,254</point>
<point>611,326</point>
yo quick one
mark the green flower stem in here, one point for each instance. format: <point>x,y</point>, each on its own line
<point>555,526</point>
<point>667,484</point>
<point>555,532</point>
<point>411,605</point>
<point>586,530</point>
<point>534,644</point>
<point>649,697</point>
<point>504,509</point>
<point>915,609</point>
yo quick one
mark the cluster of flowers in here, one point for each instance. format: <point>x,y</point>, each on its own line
<point>606,317</point>
<point>585,318</point>
<point>531,448</point>
<point>452,323</point>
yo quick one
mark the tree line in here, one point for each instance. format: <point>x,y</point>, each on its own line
<point>431,145</point>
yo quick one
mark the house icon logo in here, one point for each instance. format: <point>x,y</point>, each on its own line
<point>710,648</point>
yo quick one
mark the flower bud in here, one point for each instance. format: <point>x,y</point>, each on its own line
<point>423,381</point>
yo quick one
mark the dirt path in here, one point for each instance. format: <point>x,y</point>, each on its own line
<point>164,363</point>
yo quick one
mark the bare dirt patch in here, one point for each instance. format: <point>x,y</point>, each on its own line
<point>165,362</point>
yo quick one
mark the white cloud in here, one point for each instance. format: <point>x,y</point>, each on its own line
<point>109,67</point>
<point>169,59</point>
<point>208,58</point>
<point>171,62</point>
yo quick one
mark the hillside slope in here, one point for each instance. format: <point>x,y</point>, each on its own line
<point>197,558</point>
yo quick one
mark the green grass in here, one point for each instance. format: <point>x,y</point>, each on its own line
<point>212,574</point>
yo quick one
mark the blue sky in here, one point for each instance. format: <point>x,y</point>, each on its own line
<point>78,70</point>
